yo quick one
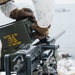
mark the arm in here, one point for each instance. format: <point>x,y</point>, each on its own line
<point>8,7</point>
<point>11,9</point>
<point>44,12</point>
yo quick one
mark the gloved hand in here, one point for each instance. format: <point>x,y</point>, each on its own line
<point>40,33</point>
<point>23,13</point>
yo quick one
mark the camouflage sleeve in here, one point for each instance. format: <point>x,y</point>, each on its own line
<point>44,11</point>
<point>11,5</point>
<point>8,7</point>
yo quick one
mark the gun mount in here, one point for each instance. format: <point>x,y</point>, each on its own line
<point>28,58</point>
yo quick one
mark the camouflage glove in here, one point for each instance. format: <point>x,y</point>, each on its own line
<point>40,33</point>
<point>23,13</point>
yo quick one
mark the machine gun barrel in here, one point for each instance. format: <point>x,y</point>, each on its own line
<point>59,35</point>
<point>18,66</point>
<point>48,47</point>
<point>53,40</point>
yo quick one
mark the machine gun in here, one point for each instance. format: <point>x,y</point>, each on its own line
<point>34,59</point>
<point>21,56</point>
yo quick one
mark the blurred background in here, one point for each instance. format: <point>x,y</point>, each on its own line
<point>64,19</point>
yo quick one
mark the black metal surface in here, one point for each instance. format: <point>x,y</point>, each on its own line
<point>7,65</point>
